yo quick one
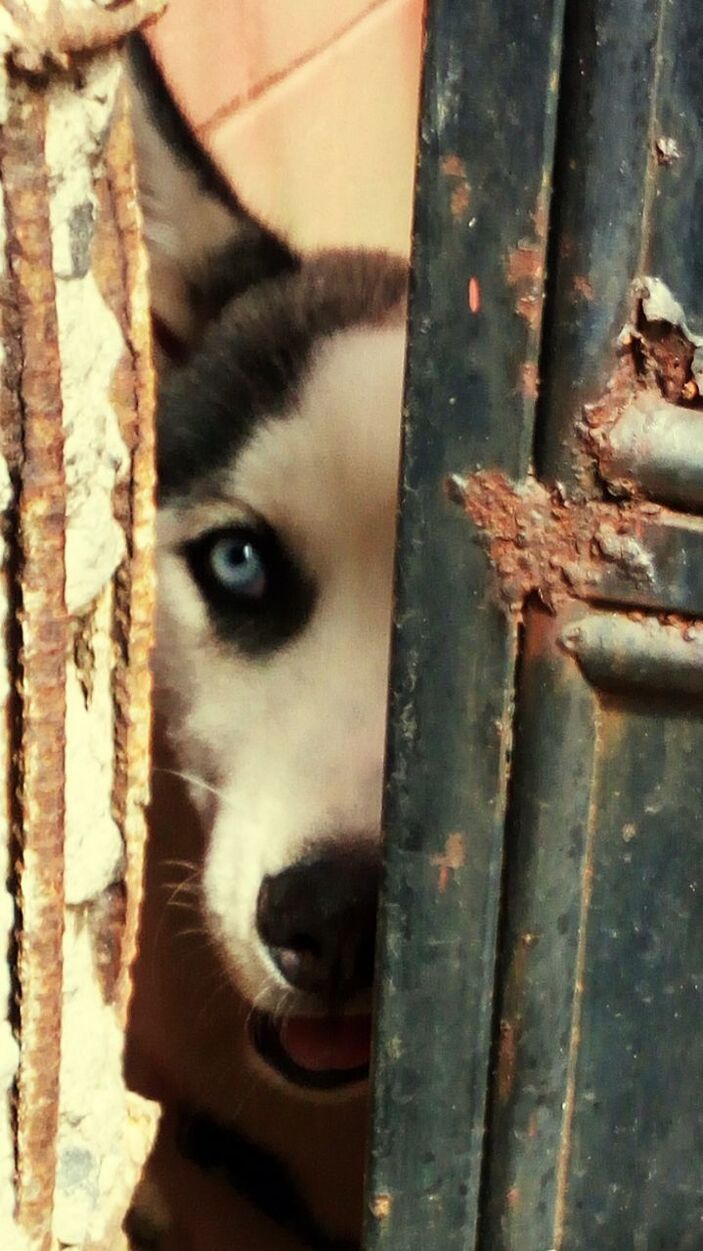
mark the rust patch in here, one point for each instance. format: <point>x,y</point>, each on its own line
<point>525,264</point>
<point>543,544</point>
<point>474,294</point>
<point>529,380</point>
<point>507,1058</point>
<point>451,859</point>
<point>665,357</point>
<point>524,270</point>
<point>567,247</point>
<point>381,1206</point>
<point>460,194</point>
<point>460,201</point>
<point>513,1197</point>
<point>453,166</point>
<point>529,307</point>
<point>540,219</point>
<point>582,286</point>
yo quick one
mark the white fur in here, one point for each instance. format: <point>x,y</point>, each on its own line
<point>292,742</point>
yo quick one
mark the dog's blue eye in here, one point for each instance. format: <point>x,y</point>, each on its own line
<point>237,566</point>
<point>257,595</point>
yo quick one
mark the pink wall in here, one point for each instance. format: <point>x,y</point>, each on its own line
<point>308,105</point>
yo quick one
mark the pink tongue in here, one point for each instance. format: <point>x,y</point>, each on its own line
<point>318,1043</point>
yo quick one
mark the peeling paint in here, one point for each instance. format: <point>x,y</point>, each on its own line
<point>77,122</point>
<point>381,1206</point>
<point>453,166</point>
<point>529,380</point>
<point>454,170</point>
<point>77,352</point>
<point>450,860</point>
<point>583,287</point>
<point>525,263</point>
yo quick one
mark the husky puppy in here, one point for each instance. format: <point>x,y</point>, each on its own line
<point>278,431</point>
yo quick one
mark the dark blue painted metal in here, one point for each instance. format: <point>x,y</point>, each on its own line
<point>480,232</point>
<point>595,1131</point>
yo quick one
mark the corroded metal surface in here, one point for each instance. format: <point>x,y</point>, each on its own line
<point>542,543</point>
<point>585,522</point>
<point>476,307</point>
<point>36,34</point>
<point>594,1112</point>
<point>77,470</point>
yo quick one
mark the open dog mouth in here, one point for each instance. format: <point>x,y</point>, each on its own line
<point>320,1053</point>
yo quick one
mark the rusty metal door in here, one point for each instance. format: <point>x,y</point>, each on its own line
<point>539,1061</point>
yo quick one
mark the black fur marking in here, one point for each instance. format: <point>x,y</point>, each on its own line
<point>254,358</point>
<point>173,127</point>
<point>256,627</point>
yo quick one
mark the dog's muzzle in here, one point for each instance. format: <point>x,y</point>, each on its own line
<point>317,920</point>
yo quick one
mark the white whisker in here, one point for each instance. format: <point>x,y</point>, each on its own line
<point>192,779</point>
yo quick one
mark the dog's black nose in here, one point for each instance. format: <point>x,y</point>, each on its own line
<point>318,920</point>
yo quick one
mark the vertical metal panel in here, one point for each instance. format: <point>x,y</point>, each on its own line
<point>550,830</point>
<point>595,1127</point>
<point>600,179</point>
<point>480,230</point>
<point>673,245</point>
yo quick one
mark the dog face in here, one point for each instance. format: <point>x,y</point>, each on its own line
<point>278,434</point>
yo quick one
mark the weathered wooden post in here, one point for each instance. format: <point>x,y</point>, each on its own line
<point>76,484</point>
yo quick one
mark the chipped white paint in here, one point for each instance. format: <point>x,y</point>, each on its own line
<point>95,455</point>
<point>94,1109</point>
<point>93,846</point>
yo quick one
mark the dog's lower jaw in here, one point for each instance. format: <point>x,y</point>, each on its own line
<point>188,1041</point>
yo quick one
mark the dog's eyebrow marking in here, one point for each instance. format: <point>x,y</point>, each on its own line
<point>255,357</point>
<point>210,509</point>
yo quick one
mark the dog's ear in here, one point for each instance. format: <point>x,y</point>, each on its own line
<point>204,247</point>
